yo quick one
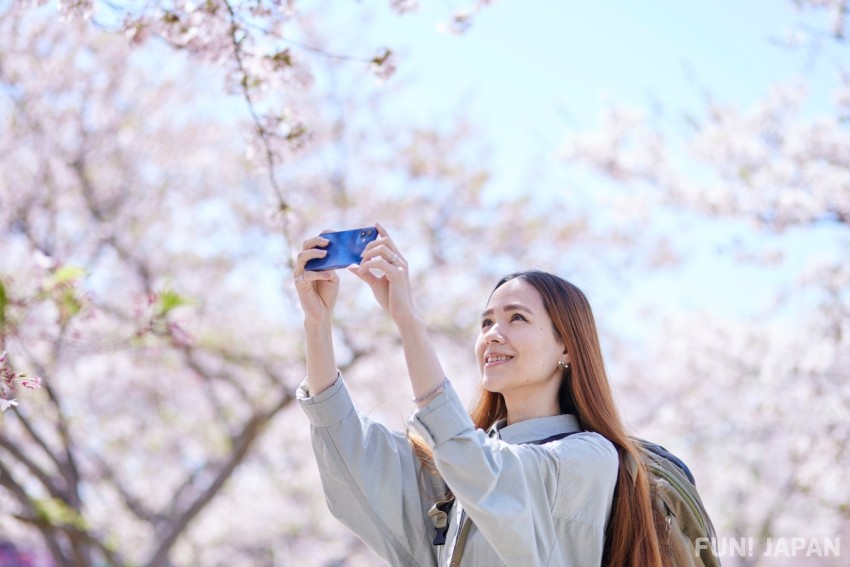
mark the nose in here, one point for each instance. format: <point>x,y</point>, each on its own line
<point>493,334</point>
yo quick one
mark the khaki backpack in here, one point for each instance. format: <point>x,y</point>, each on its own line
<point>678,502</point>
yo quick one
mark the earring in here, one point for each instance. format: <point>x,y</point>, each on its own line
<point>563,365</point>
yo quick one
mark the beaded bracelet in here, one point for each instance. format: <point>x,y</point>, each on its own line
<point>438,390</point>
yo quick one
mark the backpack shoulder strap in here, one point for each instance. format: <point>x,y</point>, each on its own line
<point>552,438</point>
<point>664,453</point>
<point>460,546</point>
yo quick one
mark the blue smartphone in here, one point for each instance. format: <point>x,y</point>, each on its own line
<point>345,248</point>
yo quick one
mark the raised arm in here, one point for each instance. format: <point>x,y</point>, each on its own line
<point>391,287</point>
<point>352,451</point>
<point>317,292</point>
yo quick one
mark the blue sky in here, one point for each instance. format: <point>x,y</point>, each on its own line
<point>530,73</point>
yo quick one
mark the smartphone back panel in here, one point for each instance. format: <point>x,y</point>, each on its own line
<point>345,248</point>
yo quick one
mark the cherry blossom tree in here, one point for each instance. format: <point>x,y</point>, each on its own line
<point>146,282</point>
<point>269,50</point>
<point>756,401</point>
<point>838,14</point>
<point>149,217</point>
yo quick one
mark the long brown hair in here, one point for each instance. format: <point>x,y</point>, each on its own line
<point>632,537</point>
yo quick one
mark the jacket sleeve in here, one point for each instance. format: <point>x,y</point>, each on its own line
<point>370,478</point>
<point>535,505</point>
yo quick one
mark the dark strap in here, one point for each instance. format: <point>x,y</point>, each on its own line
<point>552,438</point>
<point>439,514</point>
<point>662,452</point>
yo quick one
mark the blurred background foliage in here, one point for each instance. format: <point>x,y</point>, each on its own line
<point>161,163</point>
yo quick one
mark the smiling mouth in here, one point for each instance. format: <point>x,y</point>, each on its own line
<point>494,359</point>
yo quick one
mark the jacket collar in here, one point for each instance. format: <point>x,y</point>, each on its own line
<point>534,429</point>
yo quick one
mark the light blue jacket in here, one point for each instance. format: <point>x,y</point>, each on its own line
<point>532,505</point>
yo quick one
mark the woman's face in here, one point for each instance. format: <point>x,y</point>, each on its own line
<point>517,348</point>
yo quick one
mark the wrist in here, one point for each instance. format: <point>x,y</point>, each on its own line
<point>320,324</point>
<point>408,323</point>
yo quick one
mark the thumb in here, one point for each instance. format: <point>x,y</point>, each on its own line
<point>375,277</point>
<point>364,275</point>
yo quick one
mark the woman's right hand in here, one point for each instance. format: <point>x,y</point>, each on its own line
<point>317,291</point>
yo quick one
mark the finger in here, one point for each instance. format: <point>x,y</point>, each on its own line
<point>381,264</point>
<point>386,252</point>
<point>387,239</point>
<point>315,242</point>
<point>305,256</point>
<point>363,274</point>
<point>381,230</point>
<point>306,278</point>
<point>383,238</point>
<point>385,255</point>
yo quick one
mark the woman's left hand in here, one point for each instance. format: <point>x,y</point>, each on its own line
<point>392,287</point>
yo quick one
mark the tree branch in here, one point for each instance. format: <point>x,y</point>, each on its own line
<point>47,530</point>
<point>68,466</point>
<point>135,505</point>
<point>31,466</point>
<point>80,536</point>
<point>265,136</point>
<point>241,445</point>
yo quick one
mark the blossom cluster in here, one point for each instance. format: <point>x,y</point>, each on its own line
<point>9,381</point>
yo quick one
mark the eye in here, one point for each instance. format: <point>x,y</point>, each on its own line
<point>518,317</point>
<point>486,323</point>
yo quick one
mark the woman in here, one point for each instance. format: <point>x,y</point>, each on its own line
<point>538,488</point>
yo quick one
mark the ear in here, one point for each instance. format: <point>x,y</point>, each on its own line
<point>566,356</point>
